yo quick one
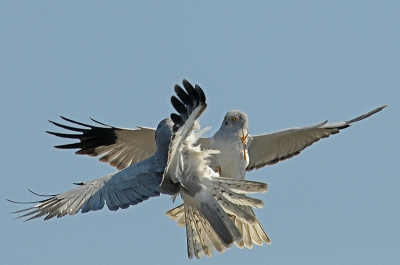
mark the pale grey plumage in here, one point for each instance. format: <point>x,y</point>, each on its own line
<point>232,141</point>
<point>269,149</point>
<point>208,199</point>
<point>130,186</point>
<point>120,147</point>
<point>266,149</point>
<point>252,152</point>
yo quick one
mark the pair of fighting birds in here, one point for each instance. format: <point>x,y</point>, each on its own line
<point>208,173</point>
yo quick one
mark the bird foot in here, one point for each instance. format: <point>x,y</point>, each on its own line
<point>218,170</point>
<point>243,138</point>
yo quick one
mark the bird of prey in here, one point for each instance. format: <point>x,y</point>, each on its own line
<point>208,198</point>
<point>130,186</point>
<point>239,151</point>
<point>177,167</point>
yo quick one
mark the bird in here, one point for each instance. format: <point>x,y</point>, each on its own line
<point>239,153</point>
<point>208,198</point>
<point>130,186</point>
<point>178,167</point>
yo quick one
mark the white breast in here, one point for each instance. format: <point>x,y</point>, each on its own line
<point>232,158</point>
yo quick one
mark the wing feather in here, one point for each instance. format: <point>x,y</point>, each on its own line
<point>269,149</point>
<point>120,190</point>
<point>137,144</point>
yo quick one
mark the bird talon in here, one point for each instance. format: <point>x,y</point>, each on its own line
<point>218,170</point>
<point>243,138</point>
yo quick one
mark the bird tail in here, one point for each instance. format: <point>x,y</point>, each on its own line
<point>252,233</point>
<point>207,226</point>
<point>230,196</point>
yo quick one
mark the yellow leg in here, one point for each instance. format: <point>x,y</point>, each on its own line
<point>243,139</point>
<point>218,169</point>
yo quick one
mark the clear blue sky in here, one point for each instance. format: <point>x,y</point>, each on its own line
<point>284,63</point>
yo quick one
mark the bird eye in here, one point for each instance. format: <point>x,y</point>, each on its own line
<point>235,119</point>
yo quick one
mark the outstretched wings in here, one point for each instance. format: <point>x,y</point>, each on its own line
<point>118,146</point>
<point>120,190</point>
<point>269,149</point>
<point>122,147</point>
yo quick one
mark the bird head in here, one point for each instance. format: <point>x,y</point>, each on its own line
<point>164,133</point>
<point>235,120</point>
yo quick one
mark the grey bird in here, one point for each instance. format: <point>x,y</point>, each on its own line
<point>130,186</point>
<point>207,197</point>
<point>177,167</point>
<point>239,151</point>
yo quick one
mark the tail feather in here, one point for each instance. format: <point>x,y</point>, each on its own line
<point>241,185</point>
<point>234,209</point>
<point>210,221</point>
<point>260,231</point>
<point>204,233</point>
<point>252,233</point>
<point>248,242</point>
<point>212,236</point>
<point>194,247</point>
<point>239,225</point>
<point>237,198</point>
<point>177,214</point>
<point>206,243</point>
<point>255,237</point>
<point>220,222</point>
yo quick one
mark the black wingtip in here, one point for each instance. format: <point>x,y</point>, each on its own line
<point>182,95</point>
<point>177,121</point>
<point>201,94</point>
<point>41,195</point>
<point>21,203</point>
<point>178,105</point>
<point>96,121</point>
<point>192,93</point>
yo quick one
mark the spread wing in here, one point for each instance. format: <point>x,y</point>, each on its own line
<point>120,190</point>
<point>118,146</point>
<point>269,149</point>
<point>190,106</point>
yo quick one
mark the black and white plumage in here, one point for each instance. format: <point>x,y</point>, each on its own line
<point>239,151</point>
<point>176,167</point>
<point>122,147</point>
<point>209,201</point>
<point>129,186</point>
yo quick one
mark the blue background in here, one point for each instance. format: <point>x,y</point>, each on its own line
<point>284,63</point>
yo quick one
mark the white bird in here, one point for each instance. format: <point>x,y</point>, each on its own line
<point>177,167</point>
<point>207,197</point>
<point>239,151</point>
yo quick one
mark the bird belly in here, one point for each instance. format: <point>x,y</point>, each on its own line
<point>232,161</point>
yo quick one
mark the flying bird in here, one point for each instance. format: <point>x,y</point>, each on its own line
<point>130,186</point>
<point>178,166</point>
<point>210,201</point>
<point>239,152</point>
